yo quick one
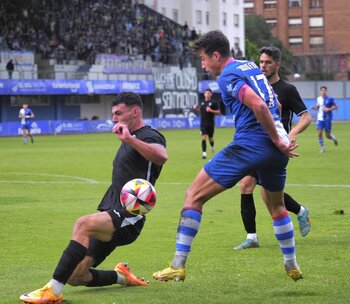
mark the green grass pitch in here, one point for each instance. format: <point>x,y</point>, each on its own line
<point>46,186</point>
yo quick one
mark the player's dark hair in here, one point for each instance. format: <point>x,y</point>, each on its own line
<point>130,99</point>
<point>213,41</point>
<point>271,51</point>
<point>209,90</point>
<point>323,87</point>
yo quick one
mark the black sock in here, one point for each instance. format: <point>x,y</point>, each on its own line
<point>71,257</point>
<point>211,143</point>
<point>102,277</point>
<point>291,204</point>
<point>248,212</point>
<point>204,146</point>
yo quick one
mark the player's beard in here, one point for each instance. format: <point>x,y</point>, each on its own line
<point>272,74</point>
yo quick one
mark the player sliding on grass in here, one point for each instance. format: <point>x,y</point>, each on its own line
<point>261,147</point>
<point>141,155</point>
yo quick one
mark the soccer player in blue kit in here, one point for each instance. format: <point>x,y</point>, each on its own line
<point>325,105</point>
<point>261,146</point>
<point>26,115</point>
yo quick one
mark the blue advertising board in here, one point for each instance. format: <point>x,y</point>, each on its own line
<point>100,126</point>
<point>74,87</point>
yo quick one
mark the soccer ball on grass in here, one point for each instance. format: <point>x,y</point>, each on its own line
<point>138,196</point>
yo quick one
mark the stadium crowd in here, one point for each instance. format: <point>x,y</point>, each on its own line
<point>76,29</point>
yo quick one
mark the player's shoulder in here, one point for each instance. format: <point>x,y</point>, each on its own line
<point>147,132</point>
<point>284,85</point>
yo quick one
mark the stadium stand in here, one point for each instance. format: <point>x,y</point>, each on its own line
<point>67,36</point>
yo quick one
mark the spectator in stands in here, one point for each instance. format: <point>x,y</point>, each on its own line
<point>10,68</point>
<point>193,34</point>
<point>120,27</point>
<point>239,54</point>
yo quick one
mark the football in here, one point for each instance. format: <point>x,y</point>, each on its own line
<point>138,196</point>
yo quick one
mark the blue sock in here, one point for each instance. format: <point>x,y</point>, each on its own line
<point>321,141</point>
<point>284,232</point>
<point>187,230</point>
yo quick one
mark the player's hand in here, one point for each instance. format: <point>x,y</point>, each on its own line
<point>292,138</point>
<point>122,131</point>
<point>208,109</point>
<point>195,107</point>
<point>287,149</point>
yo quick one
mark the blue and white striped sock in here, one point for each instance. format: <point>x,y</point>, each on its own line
<point>284,232</point>
<point>321,141</point>
<point>188,227</point>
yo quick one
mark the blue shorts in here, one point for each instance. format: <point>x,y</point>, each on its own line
<point>26,126</point>
<point>324,124</point>
<point>262,160</point>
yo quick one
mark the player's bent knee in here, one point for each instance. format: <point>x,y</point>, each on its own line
<point>83,225</point>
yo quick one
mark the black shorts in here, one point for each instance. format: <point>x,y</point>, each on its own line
<point>207,131</point>
<point>128,228</point>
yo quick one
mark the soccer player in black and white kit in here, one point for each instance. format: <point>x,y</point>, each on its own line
<point>291,103</point>
<point>208,108</point>
<point>141,155</point>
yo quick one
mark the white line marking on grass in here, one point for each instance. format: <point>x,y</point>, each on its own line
<point>318,186</point>
<point>287,185</point>
<point>83,180</point>
<point>48,182</point>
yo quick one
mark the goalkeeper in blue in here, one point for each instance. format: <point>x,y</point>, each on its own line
<point>260,146</point>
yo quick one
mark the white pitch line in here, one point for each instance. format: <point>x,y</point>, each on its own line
<point>83,180</point>
<point>91,181</point>
<point>318,185</point>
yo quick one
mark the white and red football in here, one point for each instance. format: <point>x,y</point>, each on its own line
<point>138,196</point>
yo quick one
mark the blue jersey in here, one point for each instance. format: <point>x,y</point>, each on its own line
<point>251,152</point>
<point>326,102</point>
<point>25,116</point>
<point>234,76</point>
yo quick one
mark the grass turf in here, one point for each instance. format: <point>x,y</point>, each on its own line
<point>46,186</point>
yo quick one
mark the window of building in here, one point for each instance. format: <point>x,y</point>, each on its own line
<point>294,3</point>
<point>316,41</point>
<point>32,100</point>
<point>207,18</point>
<point>270,4</point>
<point>224,19</point>
<point>73,100</point>
<point>235,20</point>
<point>316,22</point>
<point>294,21</point>
<point>248,5</point>
<point>198,17</point>
<point>295,41</point>
<point>175,15</point>
<point>272,22</point>
<point>316,3</point>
